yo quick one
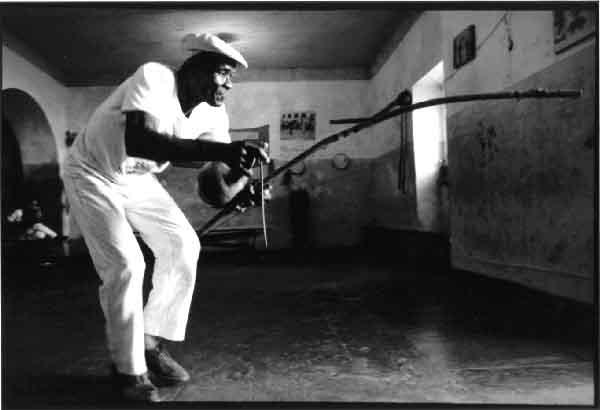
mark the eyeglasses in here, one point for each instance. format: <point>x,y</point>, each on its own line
<point>224,76</point>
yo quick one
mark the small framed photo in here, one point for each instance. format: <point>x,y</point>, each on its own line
<point>298,125</point>
<point>464,47</point>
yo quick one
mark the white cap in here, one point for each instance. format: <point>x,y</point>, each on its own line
<point>209,42</point>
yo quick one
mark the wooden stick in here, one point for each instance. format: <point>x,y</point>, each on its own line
<point>383,115</point>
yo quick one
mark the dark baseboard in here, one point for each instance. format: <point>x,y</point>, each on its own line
<point>407,247</point>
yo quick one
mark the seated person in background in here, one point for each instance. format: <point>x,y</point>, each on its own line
<point>28,225</point>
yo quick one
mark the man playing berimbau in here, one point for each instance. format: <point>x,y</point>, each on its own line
<point>154,117</point>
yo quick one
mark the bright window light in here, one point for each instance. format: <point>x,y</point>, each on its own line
<point>429,141</point>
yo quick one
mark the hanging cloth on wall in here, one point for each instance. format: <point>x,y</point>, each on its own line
<point>406,158</point>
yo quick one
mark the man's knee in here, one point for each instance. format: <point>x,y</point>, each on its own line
<point>188,250</point>
<point>123,268</point>
<point>188,245</point>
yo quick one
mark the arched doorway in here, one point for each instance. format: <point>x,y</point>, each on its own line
<point>29,158</point>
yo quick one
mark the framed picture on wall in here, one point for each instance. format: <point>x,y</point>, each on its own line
<point>298,125</point>
<point>571,26</point>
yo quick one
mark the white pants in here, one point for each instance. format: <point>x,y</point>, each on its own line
<point>108,213</point>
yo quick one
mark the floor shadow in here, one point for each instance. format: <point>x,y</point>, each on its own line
<point>59,390</point>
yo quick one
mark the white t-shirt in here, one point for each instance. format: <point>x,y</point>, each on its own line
<point>152,89</point>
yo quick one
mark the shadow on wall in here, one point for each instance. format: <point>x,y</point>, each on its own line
<point>30,169</point>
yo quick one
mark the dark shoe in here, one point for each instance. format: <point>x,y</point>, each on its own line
<point>136,388</point>
<point>163,368</point>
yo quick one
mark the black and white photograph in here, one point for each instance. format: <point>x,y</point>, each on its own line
<point>299,204</point>
<point>298,125</point>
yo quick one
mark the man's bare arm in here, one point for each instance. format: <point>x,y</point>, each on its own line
<point>229,165</point>
<point>141,140</point>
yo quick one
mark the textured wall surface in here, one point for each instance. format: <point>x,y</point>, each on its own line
<point>337,203</point>
<point>49,94</point>
<point>38,154</point>
<point>518,161</point>
<point>511,46</point>
<point>522,177</point>
<point>255,104</point>
<point>82,103</point>
<point>41,136</point>
<point>418,53</point>
<point>31,127</point>
<point>387,206</point>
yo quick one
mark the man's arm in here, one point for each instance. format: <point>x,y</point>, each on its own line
<point>194,164</point>
<point>218,184</point>
<point>141,140</point>
<point>230,164</point>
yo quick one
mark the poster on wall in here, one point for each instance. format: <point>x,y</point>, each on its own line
<point>571,26</point>
<point>298,125</point>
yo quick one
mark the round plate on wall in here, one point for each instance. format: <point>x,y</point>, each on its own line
<point>340,161</point>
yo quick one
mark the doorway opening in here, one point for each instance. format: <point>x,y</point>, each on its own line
<point>430,148</point>
<point>29,159</point>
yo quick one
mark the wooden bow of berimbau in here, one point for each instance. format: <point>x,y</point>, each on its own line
<point>400,105</point>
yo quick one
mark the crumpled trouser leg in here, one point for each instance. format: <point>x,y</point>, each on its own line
<point>107,214</point>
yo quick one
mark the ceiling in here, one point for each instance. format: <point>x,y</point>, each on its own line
<point>101,44</point>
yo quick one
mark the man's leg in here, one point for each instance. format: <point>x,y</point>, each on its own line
<point>166,230</point>
<point>98,209</point>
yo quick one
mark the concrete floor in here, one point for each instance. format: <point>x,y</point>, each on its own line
<point>269,328</point>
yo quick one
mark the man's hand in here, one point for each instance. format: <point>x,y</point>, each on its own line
<point>243,155</point>
<point>251,195</point>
